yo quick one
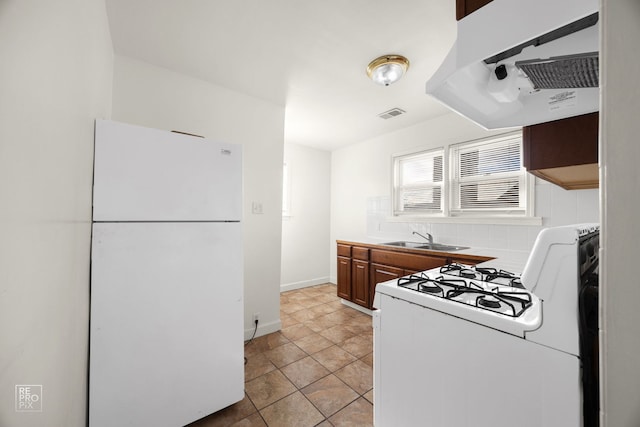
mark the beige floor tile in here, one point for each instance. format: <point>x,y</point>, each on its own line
<point>323,309</point>
<point>327,321</point>
<point>341,316</point>
<point>304,315</point>
<point>253,420</point>
<point>358,345</point>
<point>313,343</point>
<point>337,334</point>
<point>257,364</point>
<point>269,388</point>
<point>333,358</point>
<point>357,375</point>
<point>228,415</point>
<point>297,295</point>
<point>359,320</point>
<point>286,320</point>
<point>292,411</point>
<point>285,387</point>
<point>368,359</point>
<point>337,304</point>
<point>329,395</point>
<point>325,298</point>
<point>285,354</point>
<point>265,342</point>
<point>290,307</point>
<point>313,291</point>
<point>296,332</point>
<point>304,372</point>
<point>357,414</point>
<point>315,325</point>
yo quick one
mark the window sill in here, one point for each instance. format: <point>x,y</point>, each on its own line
<point>468,219</point>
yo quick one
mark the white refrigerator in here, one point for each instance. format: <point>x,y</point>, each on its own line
<point>166,343</point>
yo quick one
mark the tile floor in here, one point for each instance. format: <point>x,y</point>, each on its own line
<point>317,371</point>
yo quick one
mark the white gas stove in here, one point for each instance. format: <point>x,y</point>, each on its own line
<point>463,346</point>
<point>491,297</point>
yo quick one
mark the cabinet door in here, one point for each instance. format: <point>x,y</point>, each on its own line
<point>360,278</point>
<point>382,273</point>
<point>344,278</point>
<point>466,7</point>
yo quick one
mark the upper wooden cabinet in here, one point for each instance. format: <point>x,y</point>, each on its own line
<point>465,7</point>
<point>564,152</point>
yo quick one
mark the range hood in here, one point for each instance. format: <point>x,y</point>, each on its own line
<point>522,62</point>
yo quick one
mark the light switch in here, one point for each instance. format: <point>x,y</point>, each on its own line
<point>256,208</point>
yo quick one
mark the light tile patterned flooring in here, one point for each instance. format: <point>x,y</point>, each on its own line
<point>316,371</point>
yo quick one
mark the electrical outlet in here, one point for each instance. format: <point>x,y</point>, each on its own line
<point>256,317</point>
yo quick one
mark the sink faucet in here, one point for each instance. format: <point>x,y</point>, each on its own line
<point>428,237</point>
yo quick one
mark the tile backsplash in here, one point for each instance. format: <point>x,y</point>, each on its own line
<point>555,205</point>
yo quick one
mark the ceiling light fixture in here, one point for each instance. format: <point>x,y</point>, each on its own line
<point>387,69</point>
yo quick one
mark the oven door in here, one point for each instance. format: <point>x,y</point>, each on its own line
<point>434,369</point>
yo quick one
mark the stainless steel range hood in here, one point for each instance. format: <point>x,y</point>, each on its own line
<point>520,62</point>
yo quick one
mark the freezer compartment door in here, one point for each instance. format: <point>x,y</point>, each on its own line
<point>166,322</point>
<point>146,174</point>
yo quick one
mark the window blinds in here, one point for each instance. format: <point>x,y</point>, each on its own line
<point>419,182</point>
<point>488,176</point>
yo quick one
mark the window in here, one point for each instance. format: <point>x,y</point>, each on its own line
<point>418,182</point>
<point>483,178</point>
<point>487,176</point>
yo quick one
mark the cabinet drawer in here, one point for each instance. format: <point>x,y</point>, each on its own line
<point>406,261</point>
<point>360,253</point>
<point>344,250</point>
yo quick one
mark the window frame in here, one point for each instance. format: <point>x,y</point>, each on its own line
<point>449,212</point>
<point>455,181</point>
<point>396,193</point>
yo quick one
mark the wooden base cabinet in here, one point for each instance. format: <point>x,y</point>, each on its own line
<point>382,273</point>
<point>360,282</point>
<point>344,278</point>
<point>362,266</point>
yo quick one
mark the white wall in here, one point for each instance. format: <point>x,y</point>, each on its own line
<point>155,97</point>
<point>55,79</point>
<point>620,233</point>
<point>305,231</point>
<point>361,193</point>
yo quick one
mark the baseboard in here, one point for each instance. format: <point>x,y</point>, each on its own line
<point>356,307</point>
<point>303,284</point>
<point>263,329</point>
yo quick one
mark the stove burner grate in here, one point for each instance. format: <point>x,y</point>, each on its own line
<point>423,283</point>
<point>460,270</point>
<point>507,303</point>
<point>515,302</point>
<point>492,275</point>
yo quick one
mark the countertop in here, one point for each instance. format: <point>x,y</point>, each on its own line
<point>508,260</point>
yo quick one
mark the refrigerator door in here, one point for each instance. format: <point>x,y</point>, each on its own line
<point>144,174</point>
<point>166,322</point>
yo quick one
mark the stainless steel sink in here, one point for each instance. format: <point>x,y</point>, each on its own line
<point>430,246</point>
<point>406,244</point>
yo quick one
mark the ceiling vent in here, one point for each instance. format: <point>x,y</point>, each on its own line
<point>394,112</point>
